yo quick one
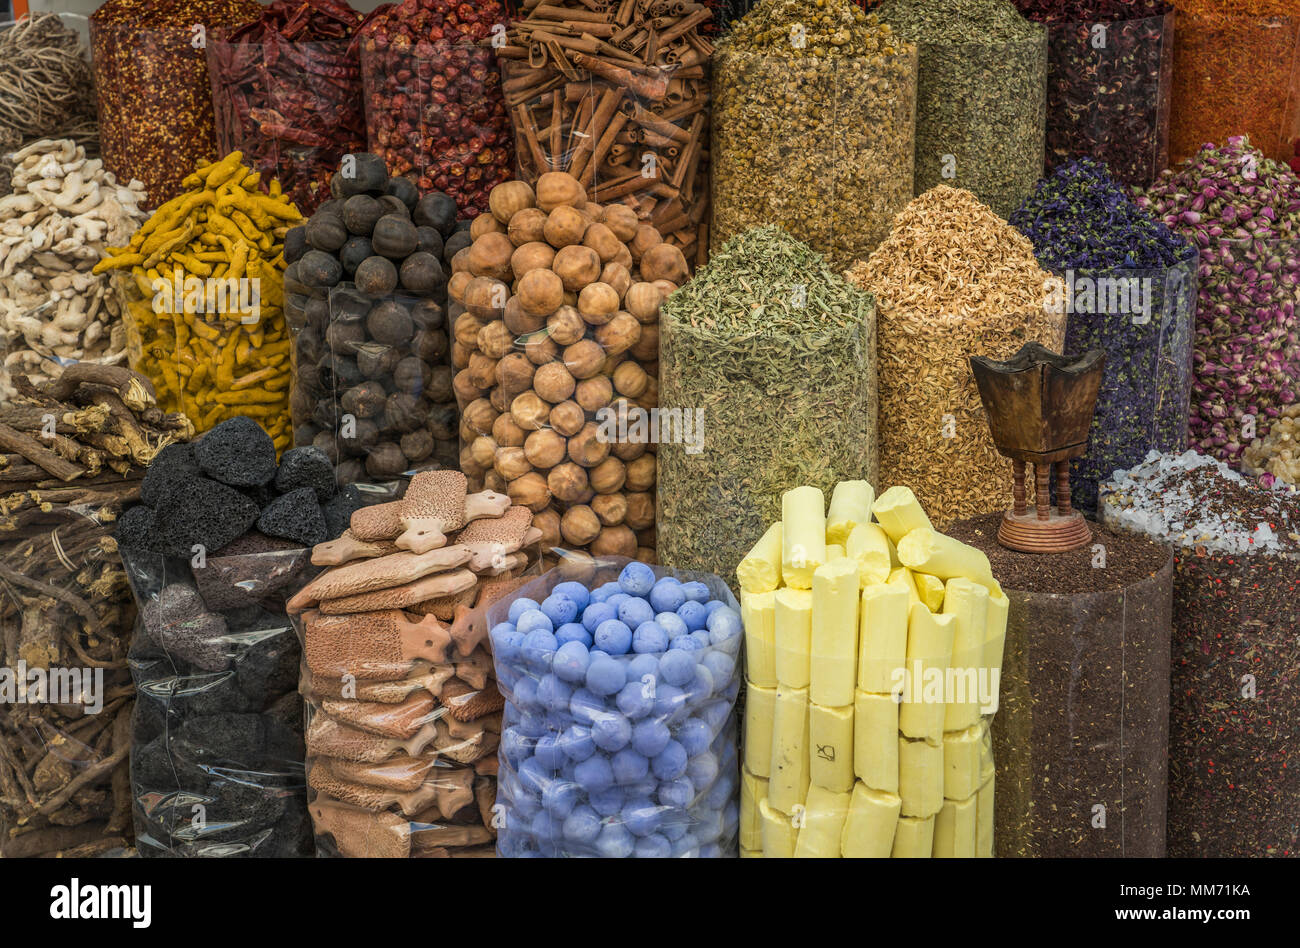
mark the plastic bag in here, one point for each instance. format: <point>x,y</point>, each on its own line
<point>65,693</point>
<point>636,757</point>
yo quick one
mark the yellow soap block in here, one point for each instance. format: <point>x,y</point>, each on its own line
<point>995,630</point>
<point>987,768</point>
<point>899,512</point>
<point>834,551</point>
<point>929,650</point>
<point>984,821</point>
<point>882,638</point>
<point>875,741</point>
<point>760,712</point>
<point>920,777</point>
<point>930,591</point>
<point>830,736</point>
<point>850,505</point>
<point>750,853</point>
<point>760,570</point>
<point>870,825</point>
<point>823,824</point>
<point>914,838</point>
<point>788,781</point>
<point>962,753</point>
<point>758,615</point>
<point>803,535</point>
<point>834,667</point>
<point>954,830</point>
<point>779,833</point>
<point>969,602</point>
<point>753,791</point>
<point>902,576</point>
<point>793,634</point>
<point>926,551</point>
<point>869,545</point>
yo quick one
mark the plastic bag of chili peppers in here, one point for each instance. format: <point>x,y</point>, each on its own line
<point>286,91</point>
<point>434,108</point>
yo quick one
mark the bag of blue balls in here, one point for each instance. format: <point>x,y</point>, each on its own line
<point>619,731</point>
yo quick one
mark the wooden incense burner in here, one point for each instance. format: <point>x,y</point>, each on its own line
<point>1040,405</point>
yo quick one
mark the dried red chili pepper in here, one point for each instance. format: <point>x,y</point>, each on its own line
<point>286,89</point>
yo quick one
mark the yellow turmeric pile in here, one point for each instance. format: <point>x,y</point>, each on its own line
<point>205,299</point>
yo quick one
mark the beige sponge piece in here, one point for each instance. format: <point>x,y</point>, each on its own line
<point>429,587</point>
<point>372,645</point>
<point>361,834</point>
<point>384,572</point>
<point>434,506</point>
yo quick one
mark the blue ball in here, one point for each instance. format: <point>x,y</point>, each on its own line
<point>574,591</point>
<point>532,724</point>
<point>637,699</point>
<point>520,606</point>
<point>596,613</point>
<point>506,640</point>
<point>576,743</point>
<point>697,592</point>
<point>534,619</point>
<point>632,612</point>
<point>701,686</point>
<point>703,770</point>
<point>516,746</point>
<point>677,793</point>
<point>582,825</point>
<point>637,579</point>
<point>721,666</point>
<point>573,632</point>
<point>667,595</point>
<point>670,763</point>
<point>641,816</point>
<point>526,804</point>
<point>614,637</point>
<point>654,846</point>
<point>559,798</point>
<point>538,648</point>
<point>559,609</point>
<point>525,695</point>
<point>584,706</point>
<point>701,636</point>
<point>603,592</point>
<point>725,630</point>
<point>629,766</point>
<point>714,714</point>
<point>642,667</point>
<point>674,829</point>
<point>507,678</point>
<point>607,801</point>
<point>544,828</point>
<point>711,851</point>
<point>670,704</point>
<point>650,737</point>
<point>533,776</point>
<point>714,605</point>
<point>595,653</point>
<point>611,732</point>
<point>649,639</point>
<point>694,735</point>
<point>672,623</point>
<point>719,794</point>
<point>553,693</point>
<point>677,667</point>
<point>605,676</point>
<point>617,600</point>
<point>594,774</point>
<point>685,643</point>
<point>548,754</point>
<point>570,663</point>
<point>693,614</point>
<point>687,847</point>
<point>615,842</point>
<point>645,787</point>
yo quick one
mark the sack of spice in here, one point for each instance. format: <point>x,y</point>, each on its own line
<point>953,280</point>
<point>404,716</point>
<point>1129,288</point>
<point>365,297</point>
<point>814,125</point>
<point>66,610</point>
<point>619,733</point>
<point>555,311</point>
<point>202,293</point>
<point>981,99</point>
<point>1110,70</point>
<point>152,86</point>
<point>769,372</point>
<point>1243,211</point>
<point>627,118</point>
<point>1234,720</point>
<point>286,92</point>
<point>434,108</point>
<point>63,212</point>
<point>214,550</point>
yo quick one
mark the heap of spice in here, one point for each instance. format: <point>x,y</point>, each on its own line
<point>1109,79</point>
<point>1276,458</point>
<point>1234,720</point>
<point>286,90</point>
<point>620,101</point>
<point>1082,721</point>
<point>952,280</point>
<point>814,120</point>
<point>64,785</point>
<point>1131,292</point>
<point>981,95</point>
<point>48,92</point>
<point>1234,74</point>
<point>434,108</point>
<point>203,287</point>
<point>769,361</point>
<point>154,94</point>
<point>1243,211</point>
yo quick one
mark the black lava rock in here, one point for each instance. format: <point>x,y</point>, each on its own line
<point>172,464</point>
<point>338,510</point>
<point>179,622</point>
<point>306,467</point>
<point>295,516</point>
<point>136,530</point>
<point>237,452</point>
<point>202,512</point>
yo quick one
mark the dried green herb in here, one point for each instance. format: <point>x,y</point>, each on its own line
<point>775,355</point>
<point>982,96</point>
